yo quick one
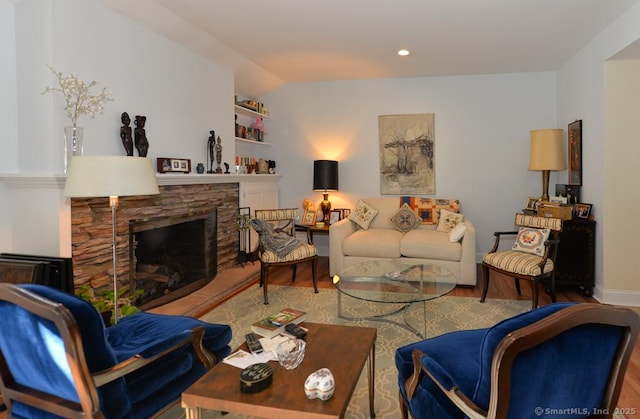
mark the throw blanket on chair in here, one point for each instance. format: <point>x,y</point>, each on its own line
<point>279,243</point>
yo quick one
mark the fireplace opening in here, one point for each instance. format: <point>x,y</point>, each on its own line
<point>172,256</point>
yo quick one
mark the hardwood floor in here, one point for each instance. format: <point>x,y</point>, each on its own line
<point>498,288</point>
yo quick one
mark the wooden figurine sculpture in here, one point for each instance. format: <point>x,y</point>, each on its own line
<point>125,133</point>
<point>142,144</point>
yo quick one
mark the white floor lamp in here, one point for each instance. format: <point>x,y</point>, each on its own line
<point>112,176</point>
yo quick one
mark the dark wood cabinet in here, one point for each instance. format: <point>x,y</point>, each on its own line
<point>576,260</point>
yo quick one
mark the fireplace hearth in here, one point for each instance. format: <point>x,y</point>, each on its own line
<point>172,256</point>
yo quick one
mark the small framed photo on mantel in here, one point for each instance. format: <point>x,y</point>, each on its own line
<point>169,165</point>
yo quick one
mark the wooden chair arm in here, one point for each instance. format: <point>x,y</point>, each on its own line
<point>548,249</point>
<point>499,234</point>
<point>136,362</point>
<point>457,397</point>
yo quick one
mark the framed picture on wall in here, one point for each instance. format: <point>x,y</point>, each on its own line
<point>574,135</point>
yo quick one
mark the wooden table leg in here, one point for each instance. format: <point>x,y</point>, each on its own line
<point>372,372</point>
<point>192,413</point>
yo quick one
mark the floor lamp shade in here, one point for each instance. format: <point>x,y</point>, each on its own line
<point>325,175</point>
<point>96,176</point>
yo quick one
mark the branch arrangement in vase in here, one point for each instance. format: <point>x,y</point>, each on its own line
<point>78,96</point>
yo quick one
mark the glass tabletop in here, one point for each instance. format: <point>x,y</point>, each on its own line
<point>394,281</point>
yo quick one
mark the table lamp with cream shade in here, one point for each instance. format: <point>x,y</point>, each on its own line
<point>112,176</point>
<point>546,155</point>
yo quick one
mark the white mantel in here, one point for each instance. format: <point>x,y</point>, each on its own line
<point>40,214</point>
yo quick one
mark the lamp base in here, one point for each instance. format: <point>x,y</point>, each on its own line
<point>325,206</point>
<point>545,186</point>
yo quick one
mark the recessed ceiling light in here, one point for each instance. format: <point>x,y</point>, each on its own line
<point>403,52</point>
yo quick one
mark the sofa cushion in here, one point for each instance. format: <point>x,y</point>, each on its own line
<point>448,220</point>
<point>363,214</point>
<point>405,219</point>
<point>430,244</point>
<point>374,243</point>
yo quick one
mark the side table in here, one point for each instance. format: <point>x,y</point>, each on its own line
<point>576,259</point>
<point>313,229</point>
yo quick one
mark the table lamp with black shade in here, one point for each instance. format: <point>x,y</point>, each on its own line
<point>325,178</point>
<point>112,176</point>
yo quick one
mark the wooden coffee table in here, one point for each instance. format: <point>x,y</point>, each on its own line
<point>342,349</point>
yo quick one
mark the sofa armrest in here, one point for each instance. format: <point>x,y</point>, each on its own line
<point>338,232</point>
<point>468,264</point>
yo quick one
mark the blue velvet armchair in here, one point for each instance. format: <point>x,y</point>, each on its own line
<point>564,357</point>
<point>58,359</point>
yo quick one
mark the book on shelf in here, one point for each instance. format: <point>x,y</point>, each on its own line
<point>274,324</point>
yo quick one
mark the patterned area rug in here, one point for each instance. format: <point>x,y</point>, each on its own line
<point>443,315</point>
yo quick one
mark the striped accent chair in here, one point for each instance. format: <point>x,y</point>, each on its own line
<point>278,246</point>
<point>532,257</point>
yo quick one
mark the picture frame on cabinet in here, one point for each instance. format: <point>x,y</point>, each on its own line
<point>532,203</point>
<point>309,218</point>
<point>334,216</point>
<point>582,211</point>
<point>344,212</point>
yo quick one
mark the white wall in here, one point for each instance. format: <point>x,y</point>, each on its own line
<point>482,126</point>
<point>581,95</point>
<point>622,172</point>
<point>183,95</point>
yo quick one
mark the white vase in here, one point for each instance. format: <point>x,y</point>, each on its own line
<point>72,144</point>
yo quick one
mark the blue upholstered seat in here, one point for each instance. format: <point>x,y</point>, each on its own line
<point>34,349</point>
<point>558,362</point>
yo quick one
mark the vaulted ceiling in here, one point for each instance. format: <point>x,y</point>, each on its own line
<point>270,43</point>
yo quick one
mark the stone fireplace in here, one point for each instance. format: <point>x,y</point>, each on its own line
<point>91,234</point>
<point>170,257</point>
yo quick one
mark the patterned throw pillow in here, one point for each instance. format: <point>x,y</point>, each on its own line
<point>531,240</point>
<point>457,233</point>
<point>405,219</point>
<point>429,208</point>
<point>363,214</point>
<point>448,220</point>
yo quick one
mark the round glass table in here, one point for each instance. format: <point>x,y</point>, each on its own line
<point>393,281</point>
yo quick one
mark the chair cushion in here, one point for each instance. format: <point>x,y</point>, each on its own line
<point>405,219</point>
<point>531,240</point>
<point>114,401</point>
<point>517,262</point>
<point>301,252</point>
<point>462,369</point>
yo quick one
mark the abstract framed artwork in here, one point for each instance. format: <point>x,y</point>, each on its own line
<point>407,154</point>
<point>574,134</point>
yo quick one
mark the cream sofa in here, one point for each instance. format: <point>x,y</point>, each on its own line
<point>350,244</point>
